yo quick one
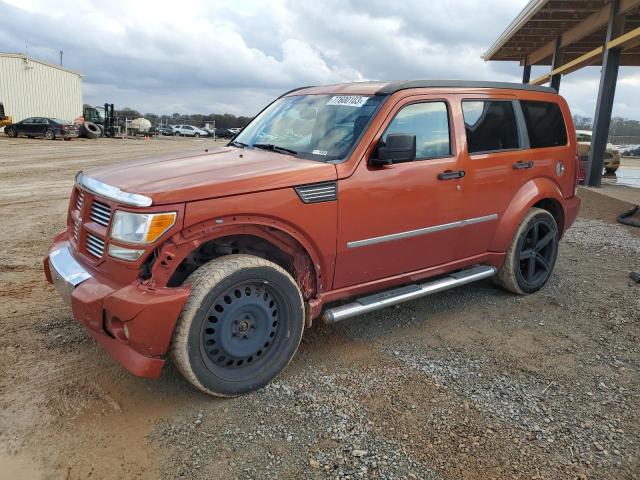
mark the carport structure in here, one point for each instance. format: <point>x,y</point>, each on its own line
<point>568,35</point>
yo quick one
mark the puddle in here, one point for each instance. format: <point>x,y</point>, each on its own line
<point>628,174</point>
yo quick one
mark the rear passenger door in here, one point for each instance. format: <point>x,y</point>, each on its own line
<point>495,151</point>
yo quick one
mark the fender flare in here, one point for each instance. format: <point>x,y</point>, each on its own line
<point>313,274</point>
<point>529,194</point>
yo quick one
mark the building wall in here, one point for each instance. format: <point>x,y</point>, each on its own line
<point>30,88</point>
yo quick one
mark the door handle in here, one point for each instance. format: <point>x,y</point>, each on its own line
<point>522,165</point>
<point>450,174</point>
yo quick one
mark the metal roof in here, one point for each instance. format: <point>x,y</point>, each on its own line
<point>580,26</point>
<point>29,59</point>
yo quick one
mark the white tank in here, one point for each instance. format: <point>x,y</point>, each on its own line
<point>140,124</point>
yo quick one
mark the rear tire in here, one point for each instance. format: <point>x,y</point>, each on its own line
<point>197,135</point>
<point>240,327</point>
<point>530,260</point>
<point>49,134</point>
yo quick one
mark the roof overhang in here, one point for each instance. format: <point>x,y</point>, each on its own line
<point>578,26</point>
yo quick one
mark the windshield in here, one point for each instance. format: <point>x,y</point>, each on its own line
<point>317,127</point>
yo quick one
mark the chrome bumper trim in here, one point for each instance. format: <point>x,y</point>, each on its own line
<point>64,266</point>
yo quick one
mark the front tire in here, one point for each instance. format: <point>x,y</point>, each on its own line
<point>530,260</point>
<point>11,131</point>
<point>240,327</point>
<point>49,134</point>
<point>197,135</point>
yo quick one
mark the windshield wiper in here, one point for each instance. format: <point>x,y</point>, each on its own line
<point>274,148</point>
<point>235,143</point>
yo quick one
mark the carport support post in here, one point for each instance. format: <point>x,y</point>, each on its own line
<point>526,73</point>
<point>555,63</point>
<point>606,94</point>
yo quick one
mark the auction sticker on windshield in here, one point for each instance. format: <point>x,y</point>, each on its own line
<point>348,100</point>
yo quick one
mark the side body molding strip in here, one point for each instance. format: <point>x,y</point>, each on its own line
<point>420,231</point>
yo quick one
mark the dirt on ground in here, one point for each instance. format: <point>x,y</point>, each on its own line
<point>472,383</point>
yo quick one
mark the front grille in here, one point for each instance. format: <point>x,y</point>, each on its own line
<point>95,245</point>
<point>317,192</point>
<point>100,213</point>
<point>79,200</point>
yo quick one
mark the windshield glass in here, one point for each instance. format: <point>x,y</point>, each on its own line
<point>318,127</point>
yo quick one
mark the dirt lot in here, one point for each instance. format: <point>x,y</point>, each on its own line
<point>473,383</point>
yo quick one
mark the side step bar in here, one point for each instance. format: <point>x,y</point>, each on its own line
<point>404,294</point>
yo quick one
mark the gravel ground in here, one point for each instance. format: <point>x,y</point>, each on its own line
<point>473,383</point>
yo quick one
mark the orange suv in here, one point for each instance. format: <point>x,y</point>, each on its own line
<point>334,201</point>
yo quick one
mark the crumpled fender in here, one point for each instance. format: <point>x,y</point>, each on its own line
<point>528,195</point>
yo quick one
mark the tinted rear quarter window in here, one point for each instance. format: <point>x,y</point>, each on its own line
<point>490,125</point>
<point>545,124</point>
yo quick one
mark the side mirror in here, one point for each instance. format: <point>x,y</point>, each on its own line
<point>398,148</point>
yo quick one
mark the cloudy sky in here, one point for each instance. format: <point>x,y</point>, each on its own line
<point>235,56</point>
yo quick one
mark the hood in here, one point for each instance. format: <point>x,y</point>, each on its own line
<point>220,172</point>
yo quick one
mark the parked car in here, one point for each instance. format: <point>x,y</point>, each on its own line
<point>49,128</point>
<point>189,131</point>
<point>161,130</point>
<point>366,195</point>
<point>611,155</point>
<point>224,133</point>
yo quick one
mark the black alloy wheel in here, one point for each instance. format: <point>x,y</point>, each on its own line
<point>537,252</point>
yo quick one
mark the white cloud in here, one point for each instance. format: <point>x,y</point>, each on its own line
<point>220,56</point>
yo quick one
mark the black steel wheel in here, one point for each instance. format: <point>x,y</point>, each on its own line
<point>240,327</point>
<point>530,260</point>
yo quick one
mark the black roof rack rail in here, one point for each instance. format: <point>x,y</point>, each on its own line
<point>296,89</point>
<point>394,87</point>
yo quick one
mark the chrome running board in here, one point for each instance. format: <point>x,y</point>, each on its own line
<point>394,296</point>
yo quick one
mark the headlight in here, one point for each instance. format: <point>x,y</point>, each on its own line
<point>141,227</point>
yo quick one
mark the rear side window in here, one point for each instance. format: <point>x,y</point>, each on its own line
<point>429,122</point>
<point>545,124</point>
<point>490,125</point>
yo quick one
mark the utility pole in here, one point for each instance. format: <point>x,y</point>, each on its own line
<point>61,52</point>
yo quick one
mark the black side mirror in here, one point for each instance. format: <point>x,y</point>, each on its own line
<point>398,148</point>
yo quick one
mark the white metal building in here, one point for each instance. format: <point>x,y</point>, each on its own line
<point>33,88</point>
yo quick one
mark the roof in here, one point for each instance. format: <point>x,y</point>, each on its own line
<point>388,88</point>
<point>29,59</point>
<point>579,25</point>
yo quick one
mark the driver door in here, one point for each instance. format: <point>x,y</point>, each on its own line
<point>396,219</point>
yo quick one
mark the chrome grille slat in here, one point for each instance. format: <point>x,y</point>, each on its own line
<point>79,200</point>
<point>95,245</point>
<point>319,192</point>
<point>100,213</point>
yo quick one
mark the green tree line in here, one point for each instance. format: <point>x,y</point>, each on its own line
<point>222,120</point>
<point>620,127</point>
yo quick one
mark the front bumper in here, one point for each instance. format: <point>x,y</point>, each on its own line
<point>134,323</point>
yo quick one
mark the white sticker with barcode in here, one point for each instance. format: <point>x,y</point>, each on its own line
<point>348,100</point>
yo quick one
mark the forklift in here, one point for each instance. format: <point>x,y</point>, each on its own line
<point>4,119</point>
<point>103,117</point>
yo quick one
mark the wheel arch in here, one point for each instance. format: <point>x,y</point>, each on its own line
<point>198,244</point>
<point>541,193</point>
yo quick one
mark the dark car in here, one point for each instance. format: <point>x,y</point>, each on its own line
<point>161,130</point>
<point>225,133</point>
<point>49,128</point>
